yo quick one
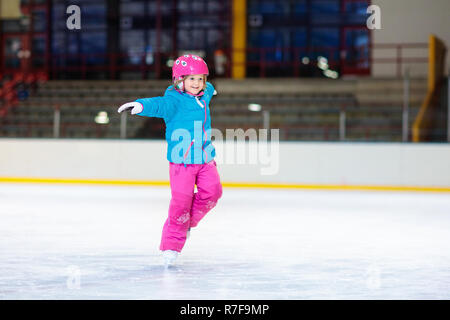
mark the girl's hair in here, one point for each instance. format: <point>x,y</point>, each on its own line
<point>177,82</point>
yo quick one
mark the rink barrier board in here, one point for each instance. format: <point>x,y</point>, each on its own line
<point>227,184</point>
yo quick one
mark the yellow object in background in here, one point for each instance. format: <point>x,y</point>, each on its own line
<point>239,39</point>
<point>10,9</point>
<point>423,123</point>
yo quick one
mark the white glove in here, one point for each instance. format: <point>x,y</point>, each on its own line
<point>135,107</point>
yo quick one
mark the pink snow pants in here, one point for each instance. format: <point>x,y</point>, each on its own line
<point>187,208</point>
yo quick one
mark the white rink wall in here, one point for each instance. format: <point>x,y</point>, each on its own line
<point>300,163</point>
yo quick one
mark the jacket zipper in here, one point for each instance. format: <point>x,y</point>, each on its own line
<point>185,155</point>
<point>203,125</point>
<point>206,136</point>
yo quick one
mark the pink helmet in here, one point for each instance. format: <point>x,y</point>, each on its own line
<point>187,65</point>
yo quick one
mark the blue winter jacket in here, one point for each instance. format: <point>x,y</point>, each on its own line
<point>188,124</point>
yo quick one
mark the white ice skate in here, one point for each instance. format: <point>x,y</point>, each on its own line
<point>169,257</point>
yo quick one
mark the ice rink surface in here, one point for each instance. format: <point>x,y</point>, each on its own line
<point>101,242</point>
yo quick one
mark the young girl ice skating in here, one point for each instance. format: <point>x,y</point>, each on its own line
<point>185,110</point>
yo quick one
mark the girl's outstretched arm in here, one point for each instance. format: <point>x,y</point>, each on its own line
<point>159,107</point>
<point>136,107</point>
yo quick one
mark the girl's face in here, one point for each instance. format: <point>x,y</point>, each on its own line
<point>194,83</point>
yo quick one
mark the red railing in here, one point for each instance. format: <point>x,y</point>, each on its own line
<point>337,59</point>
<point>8,92</point>
<point>8,97</point>
<point>358,60</point>
<point>398,59</point>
